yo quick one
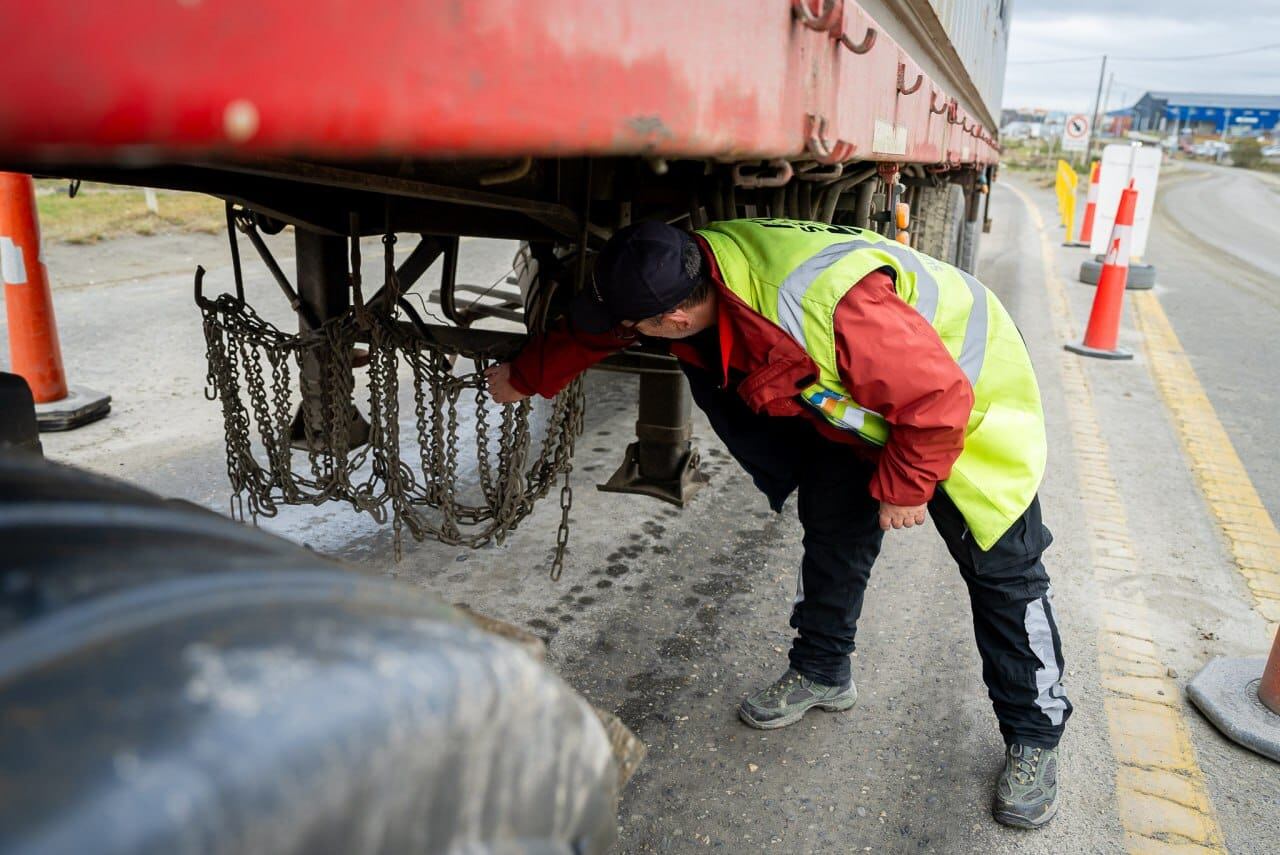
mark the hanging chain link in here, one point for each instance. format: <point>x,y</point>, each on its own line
<point>290,421</point>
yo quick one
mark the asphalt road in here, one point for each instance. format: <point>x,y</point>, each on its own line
<point>1216,241</point>
<point>670,616</point>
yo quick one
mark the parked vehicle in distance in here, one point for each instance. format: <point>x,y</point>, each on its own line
<point>1210,148</point>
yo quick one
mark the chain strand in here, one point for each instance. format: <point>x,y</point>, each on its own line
<point>274,458</point>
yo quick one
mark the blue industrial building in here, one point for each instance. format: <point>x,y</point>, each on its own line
<point>1206,113</point>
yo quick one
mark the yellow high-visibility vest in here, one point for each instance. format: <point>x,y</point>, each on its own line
<point>795,273</point>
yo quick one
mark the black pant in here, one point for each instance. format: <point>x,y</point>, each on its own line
<point>1009,589</point>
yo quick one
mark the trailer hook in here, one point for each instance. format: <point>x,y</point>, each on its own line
<point>933,100</point>
<point>757,179</point>
<point>511,173</point>
<point>903,89</point>
<point>823,151</point>
<point>822,22</point>
<point>199,287</point>
<point>867,43</point>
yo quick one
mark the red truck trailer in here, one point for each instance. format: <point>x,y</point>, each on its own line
<point>549,122</point>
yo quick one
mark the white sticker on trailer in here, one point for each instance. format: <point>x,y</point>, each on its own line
<point>888,138</point>
<point>12,268</point>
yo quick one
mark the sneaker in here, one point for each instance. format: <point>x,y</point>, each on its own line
<point>1027,790</point>
<point>789,697</point>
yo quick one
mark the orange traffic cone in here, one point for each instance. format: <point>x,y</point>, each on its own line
<point>1104,319</point>
<point>1091,204</point>
<point>33,335</point>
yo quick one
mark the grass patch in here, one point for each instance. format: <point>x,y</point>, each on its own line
<point>103,211</point>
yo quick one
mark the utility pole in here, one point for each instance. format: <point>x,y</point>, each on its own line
<point>1097,102</point>
<point>1101,113</point>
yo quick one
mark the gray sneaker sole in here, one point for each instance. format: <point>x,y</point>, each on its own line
<point>839,703</point>
<point>1017,820</point>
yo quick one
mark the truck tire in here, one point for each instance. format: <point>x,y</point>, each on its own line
<point>967,256</point>
<point>1141,277</point>
<point>173,682</point>
<point>938,221</point>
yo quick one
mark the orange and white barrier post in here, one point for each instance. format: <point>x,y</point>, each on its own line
<point>1090,205</point>
<point>34,352</point>
<point>1103,331</point>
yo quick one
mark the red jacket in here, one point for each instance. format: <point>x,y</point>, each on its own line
<point>889,358</point>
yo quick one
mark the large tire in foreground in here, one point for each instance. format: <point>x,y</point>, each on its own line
<point>173,682</point>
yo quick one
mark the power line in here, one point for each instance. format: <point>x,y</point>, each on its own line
<point>1093,58</point>
<point>1180,58</point>
<point>1271,46</point>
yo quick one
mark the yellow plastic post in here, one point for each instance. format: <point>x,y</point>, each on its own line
<point>1065,184</point>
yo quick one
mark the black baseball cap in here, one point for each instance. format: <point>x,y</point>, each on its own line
<point>639,274</point>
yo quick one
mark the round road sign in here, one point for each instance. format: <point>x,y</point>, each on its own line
<point>1077,127</point>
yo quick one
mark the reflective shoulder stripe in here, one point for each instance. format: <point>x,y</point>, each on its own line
<point>926,285</point>
<point>792,292</point>
<point>798,282</point>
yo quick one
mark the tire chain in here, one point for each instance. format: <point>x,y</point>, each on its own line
<point>251,368</point>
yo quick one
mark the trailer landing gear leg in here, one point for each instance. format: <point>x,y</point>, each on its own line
<point>323,289</point>
<point>662,463</point>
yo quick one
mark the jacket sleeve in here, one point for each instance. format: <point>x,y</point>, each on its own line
<point>549,361</point>
<point>893,362</point>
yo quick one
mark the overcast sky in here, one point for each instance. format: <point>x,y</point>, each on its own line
<point>1051,29</point>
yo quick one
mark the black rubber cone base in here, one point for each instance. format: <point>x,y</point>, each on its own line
<point>1226,691</point>
<point>80,407</point>
<point>1083,350</point>
<point>1141,277</point>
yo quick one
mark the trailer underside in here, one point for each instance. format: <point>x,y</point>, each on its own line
<point>523,121</point>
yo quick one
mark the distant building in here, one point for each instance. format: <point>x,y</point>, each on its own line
<point>1021,130</point>
<point>1206,113</point>
<point>1031,117</point>
<point>1117,123</point>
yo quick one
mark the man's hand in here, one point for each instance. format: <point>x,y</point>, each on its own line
<point>900,516</point>
<point>498,379</point>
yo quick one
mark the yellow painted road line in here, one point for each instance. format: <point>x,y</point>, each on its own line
<point>1250,532</point>
<point>1161,796</point>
